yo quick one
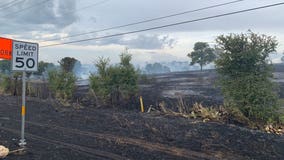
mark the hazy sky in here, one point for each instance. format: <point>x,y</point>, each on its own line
<point>38,20</point>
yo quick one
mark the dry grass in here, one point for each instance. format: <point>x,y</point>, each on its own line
<point>276,129</point>
<point>195,111</point>
<point>221,114</point>
<point>205,113</point>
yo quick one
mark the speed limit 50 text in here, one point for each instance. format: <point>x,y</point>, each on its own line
<point>25,56</point>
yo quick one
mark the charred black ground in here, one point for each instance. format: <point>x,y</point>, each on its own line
<point>57,132</point>
<point>87,133</point>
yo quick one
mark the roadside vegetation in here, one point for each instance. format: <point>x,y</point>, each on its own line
<point>246,75</point>
<point>114,84</point>
<point>241,60</point>
<point>62,81</point>
<point>245,78</point>
<point>11,83</point>
<point>202,54</point>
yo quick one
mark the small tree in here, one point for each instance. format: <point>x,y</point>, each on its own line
<point>67,64</point>
<point>62,82</point>
<point>202,54</point>
<point>128,77</point>
<point>102,64</point>
<point>115,84</point>
<point>99,83</point>
<point>44,66</point>
<point>245,74</point>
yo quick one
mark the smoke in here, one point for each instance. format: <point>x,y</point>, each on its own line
<point>174,66</point>
<point>83,71</point>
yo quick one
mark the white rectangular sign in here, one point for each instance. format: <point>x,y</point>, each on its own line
<point>25,56</point>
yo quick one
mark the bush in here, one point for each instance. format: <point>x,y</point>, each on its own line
<point>115,84</point>
<point>11,84</point>
<point>5,83</point>
<point>245,75</point>
<point>62,84</point>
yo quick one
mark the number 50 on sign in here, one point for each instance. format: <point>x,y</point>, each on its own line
<point>25,56</point>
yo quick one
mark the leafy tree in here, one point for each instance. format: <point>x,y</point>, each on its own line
<point>202,54</point>
<point>5,84</point>
<point>99,83</point>
<point>62,84</point>
<point>115,84</point>
<point>125,59</point>
<point>128,77</point>
<point>102,65</point>
<point>67,64</point>
<point>44,66</point>
<point>157,68</point>
<point>11,84</point>
<point>245,74</point>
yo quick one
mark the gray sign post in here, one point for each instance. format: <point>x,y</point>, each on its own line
<point>22,140</point>
<point>25,59</point>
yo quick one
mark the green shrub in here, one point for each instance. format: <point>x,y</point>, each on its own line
<point>62,84</point>
<point>5,83</point>
<point>114,84</point>
<point>245,75</point>
<point>11,84</point>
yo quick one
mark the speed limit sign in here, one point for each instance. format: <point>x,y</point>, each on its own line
<point>24,56</point>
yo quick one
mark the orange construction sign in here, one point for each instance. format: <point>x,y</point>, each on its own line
<point>6,48</point>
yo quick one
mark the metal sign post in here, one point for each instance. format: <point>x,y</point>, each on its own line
<point>22,140</point>
<point>25,59</point>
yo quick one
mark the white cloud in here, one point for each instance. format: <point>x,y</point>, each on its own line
<point>58,18</point>
<point>45,17</point>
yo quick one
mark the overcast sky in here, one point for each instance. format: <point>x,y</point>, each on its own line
<point>38,20</point>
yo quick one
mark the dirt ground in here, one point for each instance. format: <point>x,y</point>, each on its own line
<point>58,133</point>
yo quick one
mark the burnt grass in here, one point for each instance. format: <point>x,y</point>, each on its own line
<point>55,132</point>
<point>120,130</point>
